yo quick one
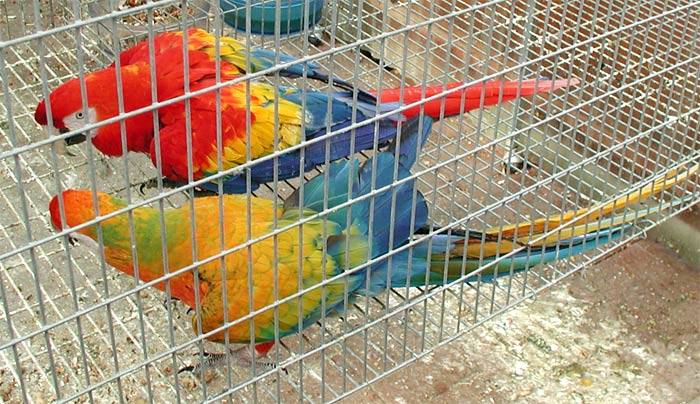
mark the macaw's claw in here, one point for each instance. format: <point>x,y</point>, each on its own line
<point>210,360</point>
<point>240,356</point>
<point>315,40</point>
<point>153,183</point>
<point>171,300</point>
<point>170,184</point>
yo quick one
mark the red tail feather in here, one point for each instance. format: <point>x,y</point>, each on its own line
<point>468,99</point>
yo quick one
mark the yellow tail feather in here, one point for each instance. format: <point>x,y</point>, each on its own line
<point>500,240</point>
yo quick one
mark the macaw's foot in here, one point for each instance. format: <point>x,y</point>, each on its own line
<point>175,304</point>
<point>153,183</point>
<point>211,360</point>
<point>170,184</point>
<point>240,356</point>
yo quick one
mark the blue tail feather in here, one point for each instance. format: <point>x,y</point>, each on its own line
<point>412,267</point>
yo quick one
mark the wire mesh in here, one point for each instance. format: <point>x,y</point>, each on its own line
<point>78,330</point>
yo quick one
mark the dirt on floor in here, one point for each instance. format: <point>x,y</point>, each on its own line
<point>624,330</point>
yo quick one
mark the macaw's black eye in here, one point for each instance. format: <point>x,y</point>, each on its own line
<point>79,115</point>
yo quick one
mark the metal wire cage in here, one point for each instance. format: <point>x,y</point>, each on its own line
<point>78,330</point>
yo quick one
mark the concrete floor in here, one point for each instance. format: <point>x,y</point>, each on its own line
<point>624,330</point>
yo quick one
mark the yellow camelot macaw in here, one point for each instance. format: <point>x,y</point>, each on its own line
<point>332,240</point>
<point>279,118</point>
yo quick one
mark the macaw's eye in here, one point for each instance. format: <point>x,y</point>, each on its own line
<point>79,115</point>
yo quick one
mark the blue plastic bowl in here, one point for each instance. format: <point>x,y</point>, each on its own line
<point>262,18</point>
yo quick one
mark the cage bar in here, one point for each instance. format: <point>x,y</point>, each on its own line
<point>78,330</point>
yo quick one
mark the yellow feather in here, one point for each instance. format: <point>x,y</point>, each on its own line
<point>262,128</point>
<point>263,272</point>
<point>663,182</point>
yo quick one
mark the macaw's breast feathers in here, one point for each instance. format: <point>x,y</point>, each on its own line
<point>273,261</point>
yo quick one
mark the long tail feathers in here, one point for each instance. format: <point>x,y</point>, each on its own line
<point>497,251</point>
<point>567,243</point>
<point>470,98</point>
<point>493,266</point>
<point>553,229</point>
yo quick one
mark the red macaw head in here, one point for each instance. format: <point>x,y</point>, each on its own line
<point>69,112</point>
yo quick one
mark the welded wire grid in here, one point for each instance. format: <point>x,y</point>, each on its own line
<point>76,330</point>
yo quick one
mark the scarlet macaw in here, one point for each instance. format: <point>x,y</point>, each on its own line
<point>331,240</point>
<point>279,119</point>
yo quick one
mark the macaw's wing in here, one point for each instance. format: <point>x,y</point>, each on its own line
<point>230,50</point>
<point>162,43</point>
<point>236,146</point>
<point>198,41</point>
<point>271,111</point>
<point>290,163</point>
<point>238,55</point>
<point>172,76</point>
